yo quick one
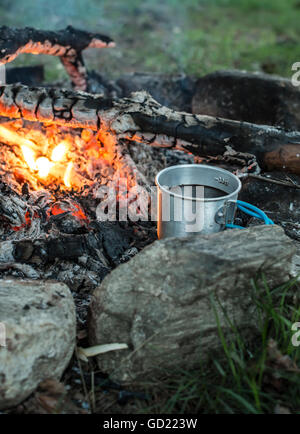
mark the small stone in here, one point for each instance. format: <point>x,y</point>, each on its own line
<point>38,327</point>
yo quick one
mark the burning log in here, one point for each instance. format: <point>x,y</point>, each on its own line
<point>67,44</point>
<point>142,119</point>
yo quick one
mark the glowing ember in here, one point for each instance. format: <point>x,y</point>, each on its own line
<point>43,166</point>
<point>56,210</point>
<point>29,157</point>
<point>59,152</point>
<point>27,222</point>
<point>71,207</point>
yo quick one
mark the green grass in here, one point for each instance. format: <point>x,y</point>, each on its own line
<point>243,378</point>
<point>247,34</point>
<point>194,36</point>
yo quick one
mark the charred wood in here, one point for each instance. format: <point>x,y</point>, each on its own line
<point>67,44</point>
<point>142,119</point>
<point>252,97</point>
<point>45,250</point>
<point>175,91</point>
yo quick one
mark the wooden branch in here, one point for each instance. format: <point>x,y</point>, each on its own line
<point>67,44</point>
<point>273,181</point>
<point>142,119</point>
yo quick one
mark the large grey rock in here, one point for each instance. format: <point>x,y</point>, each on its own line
<point>39,318</point>
<point>159,303</point>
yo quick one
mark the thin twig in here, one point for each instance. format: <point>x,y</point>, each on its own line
<point>92,393</point>
<point>87,396</point>
<point>273,181</point>
<point>290,179</point>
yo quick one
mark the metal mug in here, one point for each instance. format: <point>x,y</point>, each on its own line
<point>204,193</point>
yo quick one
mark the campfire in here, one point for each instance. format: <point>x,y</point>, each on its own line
<point>51,158</point>
<point>64,154</point>
<point>51,176</point>
<point>59,147</point>
<point>63,164</point>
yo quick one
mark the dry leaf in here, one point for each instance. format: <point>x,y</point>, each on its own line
<point>84,353</point>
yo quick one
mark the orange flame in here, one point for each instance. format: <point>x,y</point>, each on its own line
<point>67,177</point>
<point>13,137</point>
<point>59,152</point>
<point>43,166</point>
<point>29,157</point>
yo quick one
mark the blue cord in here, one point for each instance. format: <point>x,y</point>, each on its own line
<point>251,210</point>
<point>232,226</point>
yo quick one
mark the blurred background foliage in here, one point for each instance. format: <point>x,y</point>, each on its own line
<point>170,36</point>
